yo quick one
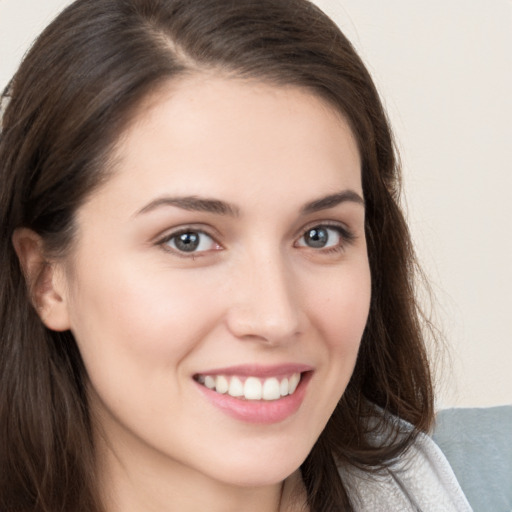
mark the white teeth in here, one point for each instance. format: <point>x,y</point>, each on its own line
<point>284,387</point>
<point>271,389</point>
<point>236,387</point>
<point>209,382</point>
<point>221,384</point>
<point>253,388</point>
<point>293,383</point>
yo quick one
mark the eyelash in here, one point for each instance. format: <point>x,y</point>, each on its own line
<point>346,238</point>
<point>164,242</point>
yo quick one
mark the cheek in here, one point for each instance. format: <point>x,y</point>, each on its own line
<point>341,310</point>
<point>338,310</point>
<point>129,319</point>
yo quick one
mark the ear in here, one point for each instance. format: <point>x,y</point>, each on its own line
<point>45,279</point>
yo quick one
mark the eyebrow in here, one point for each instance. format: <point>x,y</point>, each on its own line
<point>194,203</point>
<point>331,201</point>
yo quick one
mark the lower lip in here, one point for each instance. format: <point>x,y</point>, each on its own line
<point>259,411</point>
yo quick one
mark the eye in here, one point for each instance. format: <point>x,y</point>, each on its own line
<point>324,237</point>
<point>190,241</point>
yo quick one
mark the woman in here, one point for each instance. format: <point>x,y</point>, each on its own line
<point>207,283</point>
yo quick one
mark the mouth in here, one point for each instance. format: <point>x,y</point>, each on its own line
<point>249,387</point>
<point>256,394</point>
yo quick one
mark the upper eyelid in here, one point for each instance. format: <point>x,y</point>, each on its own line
<point>202,228</point>
<point>348,236</point>
<point>215,234</point>
<point>163,243</point>
<point>334,224</point>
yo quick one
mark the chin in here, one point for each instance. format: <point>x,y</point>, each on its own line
<point>266,468</point>
<point>259,477</point>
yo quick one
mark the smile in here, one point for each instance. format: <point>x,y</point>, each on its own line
<point>250,387</point>
<point>256,394</point>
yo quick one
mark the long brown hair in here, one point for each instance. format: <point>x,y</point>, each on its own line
<point>74,93</point>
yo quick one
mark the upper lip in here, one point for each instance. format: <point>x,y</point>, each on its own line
<point>262,371</point>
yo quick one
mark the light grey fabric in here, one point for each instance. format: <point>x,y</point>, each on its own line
<point>478,444</point>
<point>421,480</point>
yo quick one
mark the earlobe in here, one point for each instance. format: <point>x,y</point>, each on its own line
<point>45,281</point>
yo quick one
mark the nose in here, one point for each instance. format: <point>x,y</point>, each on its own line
<point>264,303</point>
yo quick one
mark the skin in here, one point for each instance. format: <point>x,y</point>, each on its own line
<point>147,318</point>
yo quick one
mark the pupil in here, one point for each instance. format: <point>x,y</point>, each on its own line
<point>187,242</point>
<point>316,237</point>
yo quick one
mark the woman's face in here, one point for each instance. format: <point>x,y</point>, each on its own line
<point>223,261</point>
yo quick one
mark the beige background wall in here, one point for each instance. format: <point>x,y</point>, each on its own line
<point>444,68</point>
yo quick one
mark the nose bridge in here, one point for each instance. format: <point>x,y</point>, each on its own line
<point>264,304</point>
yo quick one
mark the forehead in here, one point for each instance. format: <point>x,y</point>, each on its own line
<point>226,136</point>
